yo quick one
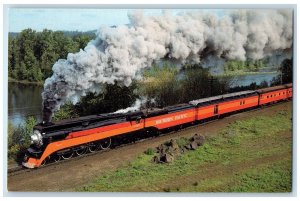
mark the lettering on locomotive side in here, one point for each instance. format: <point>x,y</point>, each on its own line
<point>169,119</point>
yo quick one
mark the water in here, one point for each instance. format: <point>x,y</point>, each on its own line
<point>25,100</point>
<point>245,80</point>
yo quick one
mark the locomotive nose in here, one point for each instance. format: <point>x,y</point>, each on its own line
<point>30,163</point>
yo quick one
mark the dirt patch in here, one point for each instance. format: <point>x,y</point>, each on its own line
<point>75,173</point>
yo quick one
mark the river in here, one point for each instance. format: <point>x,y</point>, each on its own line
<point>25,100</point>
<point>246,80</point>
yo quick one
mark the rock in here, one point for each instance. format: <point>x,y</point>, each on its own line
<point>156,159</point>
<point>188,146</point>
<point>193,145</point>
<point>177,152</point>
<point>162,148</point>
<point>167,158</point>
<point>170,150</point>
<point>174,144</point>
<point>199,139</point>
<point>182,150</point>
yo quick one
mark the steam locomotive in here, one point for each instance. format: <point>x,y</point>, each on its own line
<point>63,139</point>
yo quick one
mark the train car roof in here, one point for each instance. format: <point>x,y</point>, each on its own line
<point>269,89</point>
<point>99,117</point>
<point>178,107</point>
<point>225,96</point>
<point>150,112</point>
<point>106,118</point>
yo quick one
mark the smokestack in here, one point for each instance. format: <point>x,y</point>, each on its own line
<point>118,54</point>
<point>47,112</point>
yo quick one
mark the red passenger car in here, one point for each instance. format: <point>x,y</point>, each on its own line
<point>223,104</point>
<point>274,94</point>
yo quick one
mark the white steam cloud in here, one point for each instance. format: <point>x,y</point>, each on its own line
<point>118,54</point>
<point>136,106</point>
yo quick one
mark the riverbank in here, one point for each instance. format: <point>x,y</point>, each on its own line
<point>243,73</point>
<point>10,79</point>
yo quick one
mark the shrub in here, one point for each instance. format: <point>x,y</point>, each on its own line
<point>150,151</point>
<point>19,138</point>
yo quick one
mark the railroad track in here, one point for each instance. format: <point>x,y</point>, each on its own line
<point>16,170</point>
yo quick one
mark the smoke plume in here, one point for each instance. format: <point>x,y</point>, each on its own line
<point>136,106</point>
<point>118,54</point>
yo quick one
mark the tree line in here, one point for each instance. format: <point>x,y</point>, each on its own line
<point>31,54</point>
<point>244,66</point>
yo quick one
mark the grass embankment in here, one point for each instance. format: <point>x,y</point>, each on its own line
<point>251,155</point>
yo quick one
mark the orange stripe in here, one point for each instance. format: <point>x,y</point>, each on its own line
<point>55,146</point>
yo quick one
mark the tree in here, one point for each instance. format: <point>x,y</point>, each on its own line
<point>82,40</point>
<point>286,73</point>
<point>161,84</point>
<point>194,85</point>
<point>286,68</point>
<point>22,72</point>
<point>32,54</point>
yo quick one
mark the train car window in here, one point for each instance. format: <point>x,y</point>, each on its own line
<point>271,96</point>
<point>138,120</point>
<point>279,94</point>
<point>243,102</point>
<point>267,96</point>
<point>240,102</point>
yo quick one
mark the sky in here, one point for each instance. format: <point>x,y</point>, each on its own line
<point>73,19</point>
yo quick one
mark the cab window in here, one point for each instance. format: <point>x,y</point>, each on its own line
<point>138,120</point>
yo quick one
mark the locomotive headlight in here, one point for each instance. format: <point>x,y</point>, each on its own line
<point>36,138</point>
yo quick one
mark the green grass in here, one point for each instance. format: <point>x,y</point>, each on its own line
<point>251,155</point>
<point>150,151</point>
<point>272,178</point>
<point>181,142</point>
